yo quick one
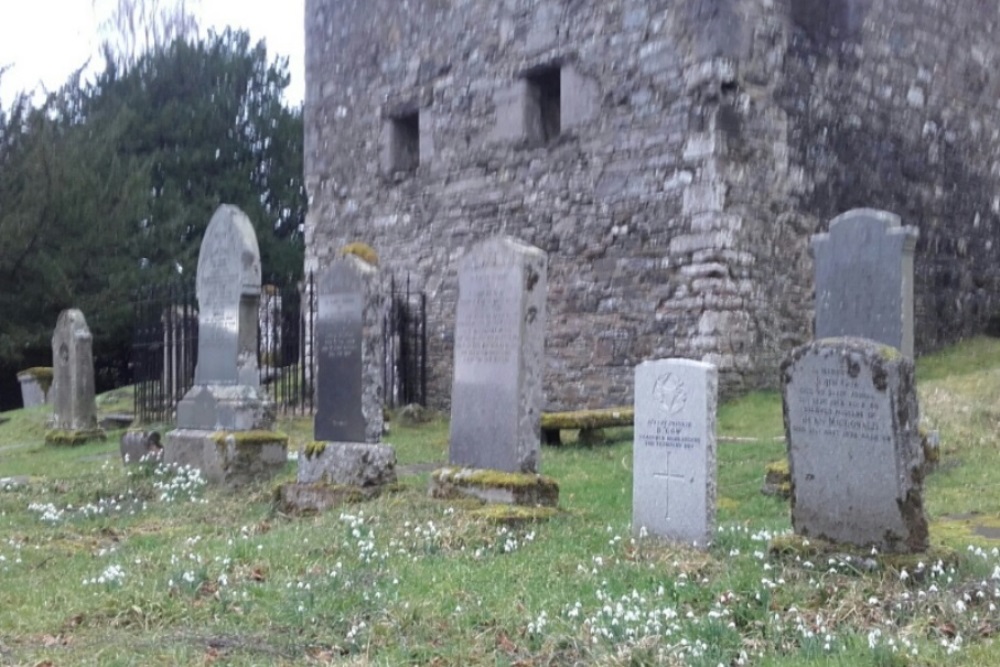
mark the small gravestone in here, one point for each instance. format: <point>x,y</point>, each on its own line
<point>138,447</point>
<point>854,449</point>
<point>496,398</point>
<point>346,462</point>
<point>35,385</point>
<point>864,278</point>
<point>674,465</point>
<point>224,422</point>
<point>74,409</point>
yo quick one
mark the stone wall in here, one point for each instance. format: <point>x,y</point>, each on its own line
<point>701,143</point>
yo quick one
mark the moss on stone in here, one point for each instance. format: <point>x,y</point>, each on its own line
<point>362,251</point>
<point>250,437</point>
<point>493,479</point>
<point>889,353</point>
<point>780,468</point>
<point>514,514</point>
<point>588,419</point>
<point>315,448</point>
<point>42,375</point>
<point>797,546</point>
<point>72,437</point>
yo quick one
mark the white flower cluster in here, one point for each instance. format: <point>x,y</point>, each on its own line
<point>178,483</point>
<point>112,574</point>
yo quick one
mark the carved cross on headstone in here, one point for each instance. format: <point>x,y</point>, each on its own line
<point>667,476</point>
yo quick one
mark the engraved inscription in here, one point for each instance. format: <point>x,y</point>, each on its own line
<point>839,406</point>
<point>342,337</point>
<point>670,394</point>
<point>669,433</point>
<point>488,326</point>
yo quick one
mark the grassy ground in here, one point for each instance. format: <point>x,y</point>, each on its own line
<point>103,566</point>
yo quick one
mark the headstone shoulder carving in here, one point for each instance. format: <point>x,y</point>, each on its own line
<point>499,356</point>
<point>851,417</point>
<point>864,278</point>
<point>674,464</point>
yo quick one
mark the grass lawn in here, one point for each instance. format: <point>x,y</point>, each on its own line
<point>99,565</point>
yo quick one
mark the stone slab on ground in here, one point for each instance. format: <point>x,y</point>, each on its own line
<point>494,486</point>
<point>229,458</point>
<point>854,447</point>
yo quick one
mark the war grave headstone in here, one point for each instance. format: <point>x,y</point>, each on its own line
<point>347,460</point>
<point>674,463</point>
<point>496,397</point>
<point>225,422</point>
<point>864,278</point>
<point>74,408</point>
<point>851,422</point>
<point>35,385</point>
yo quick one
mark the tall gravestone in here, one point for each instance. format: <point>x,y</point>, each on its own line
<point>854,450</point>
<point>224,420</point>
<point>864,278</point>
<point>674,463</point>
<point>74,409</point>
<point>496,397</point>
<point>346,460</point>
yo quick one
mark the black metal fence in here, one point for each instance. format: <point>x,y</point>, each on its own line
<point>165,346</point>
<point>404,378</point>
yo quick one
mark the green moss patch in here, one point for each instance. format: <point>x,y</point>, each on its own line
<point>42,375</point>
<point>588,419</point>
<point>513,515</point>
<point>791,547</point>
<point>69,437</point>
<point>250,438</point>
<point>777,479</point>
<point>314,449</point>
<point>495,486</point>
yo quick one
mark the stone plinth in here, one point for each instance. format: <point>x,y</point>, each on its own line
<point>495,486</point>
<point>232,458</point>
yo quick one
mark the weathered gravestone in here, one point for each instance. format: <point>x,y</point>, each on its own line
<point>496,396</point>
<point>864,278</point>
<point>346,461</point>
<point>224,421</point>
<point>854,450</point>
<point>74,409</point>
<point>35,385</point>
<point>674,465</point>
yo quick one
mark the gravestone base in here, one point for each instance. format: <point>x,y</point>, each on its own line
<point>332,474</point>
<point>494,486</point>
<point>226,407</point>
<point>72,437</point>
<point>348,464</point>
<point>231,458</point>
<point>138,447</point>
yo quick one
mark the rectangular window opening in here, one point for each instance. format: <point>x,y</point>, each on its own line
<point>405,142</point>
<point>544,104</point>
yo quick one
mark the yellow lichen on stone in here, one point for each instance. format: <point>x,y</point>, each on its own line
<point>588,419</point>
<point>42,375</point>
<point>362,251</point>
<point>250,437</point>
<point>315,448</point>
<point>889,353</point>
<point>493,479</point>
<point>778,468</point>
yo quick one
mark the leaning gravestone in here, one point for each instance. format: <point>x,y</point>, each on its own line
<point>864,278</point>
<point>346,460</point>
<point>74,409</point>
<point>674,465</point>
<point>854,450</point>
<point>496,397</point>
<point>224,421</point>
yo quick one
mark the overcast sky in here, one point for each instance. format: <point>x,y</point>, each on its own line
<point>44,41</point>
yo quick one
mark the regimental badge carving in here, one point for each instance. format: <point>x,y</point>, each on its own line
<point>670,393</point>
